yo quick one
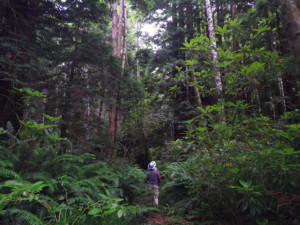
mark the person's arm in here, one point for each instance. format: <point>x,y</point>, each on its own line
<point>158,177</point>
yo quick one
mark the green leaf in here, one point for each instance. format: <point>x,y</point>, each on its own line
<point>2,131</point>
<point>244,205</point>
<point>2,206</point>
<point>55,137</point>
<point>52,119</point>
<point>120,213</point>
<point>94,211</point>
<point>12,183</point>
<point>33,124</point>
<point>111,211</point>
<point>174,88</point>
<point>31,197</point>
<point>245,184</point>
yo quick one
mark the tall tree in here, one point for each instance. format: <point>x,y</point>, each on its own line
<point>212,37</point>
<point>291,23</point>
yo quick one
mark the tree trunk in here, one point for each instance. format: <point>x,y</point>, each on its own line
<point>112,106</point>
<point>118,117</point>
<point>235,43</point>
<point>122,3</point>
<point>212,37</point>
<point>124,52</point>
<point>289,82</point>
<point>196,90</point>
<point>138,69</point>
<point>220,21</point>
<point>190,35</point>
<point>189,22</point>
<point>290,17</point>
<point>114,30</point>
<point>282,104</point>
<point>112,120</point>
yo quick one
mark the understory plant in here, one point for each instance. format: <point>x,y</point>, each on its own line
<point>43,182</point>
<point>243,170</point>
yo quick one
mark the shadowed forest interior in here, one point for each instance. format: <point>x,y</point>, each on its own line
<point>91,91</point>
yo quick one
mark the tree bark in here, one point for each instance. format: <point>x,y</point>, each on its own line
<point>190,35</point>
<point>220,21</point>
<point>189,21</point>
<point>285,47</point>
<point>118,116</point>
<point>290,17</point>
<point>196,90</point>
<point>112,106</point>
<point>114,30</point>
<point>212,37</point>
<point>235,43</point>
<point>124,52</point>
<point>122,3</point>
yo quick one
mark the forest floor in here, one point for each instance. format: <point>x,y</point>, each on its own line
<point>161,218</point>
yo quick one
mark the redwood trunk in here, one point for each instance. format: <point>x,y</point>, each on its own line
<point>291,24</point>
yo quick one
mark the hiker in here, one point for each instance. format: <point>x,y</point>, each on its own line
<point>153,179</point>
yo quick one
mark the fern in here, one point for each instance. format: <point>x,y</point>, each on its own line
<point>8,173</point>
<point>73,170</point>
<point>24,217</point>
<point>68,157</point>
<point>5,163</point>
<point>42,176</point>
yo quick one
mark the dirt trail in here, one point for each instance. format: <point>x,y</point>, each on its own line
<point>161,218</point>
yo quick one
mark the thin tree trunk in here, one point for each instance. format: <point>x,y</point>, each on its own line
<point>189,23</point>
<point>282,104</point>
<point>258,102</point>
<point>138,69</point>
<point>124,53</point>
<point>196,90</point>
<point>190,29</point>
<point>212,37</point>
<point>235,43</point>
<point>88,110</point>
<point>100,108</point>
<point>112,106</point>
<point>112,119</point>
<point>114,30</point>
<point>220,21</point>
<point>122,3</point>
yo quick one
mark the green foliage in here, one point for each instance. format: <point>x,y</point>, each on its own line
<point>246,167</point>
<point>23,216</point>
<point>67,188</point>
<point>42,183</point>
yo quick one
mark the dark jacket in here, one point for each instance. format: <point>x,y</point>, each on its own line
<point>153,176</point>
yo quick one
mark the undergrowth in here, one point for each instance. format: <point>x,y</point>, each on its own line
<point>242,171</point>
<point>42,182</point>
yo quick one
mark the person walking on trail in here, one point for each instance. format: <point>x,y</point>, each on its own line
<point>153,179</point>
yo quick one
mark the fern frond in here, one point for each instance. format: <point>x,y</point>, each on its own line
<point>8,173</point>
<point>48,200</point>
<point>95,167</point>
<point>25,217</point>
<point>43,176</point>
<point>5,163</point>
<point>74,170</point>
<point>81,199</point>
<point>68,157</point>
<point>37,176</point>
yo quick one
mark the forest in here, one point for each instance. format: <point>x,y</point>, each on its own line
<point>92,91</point>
